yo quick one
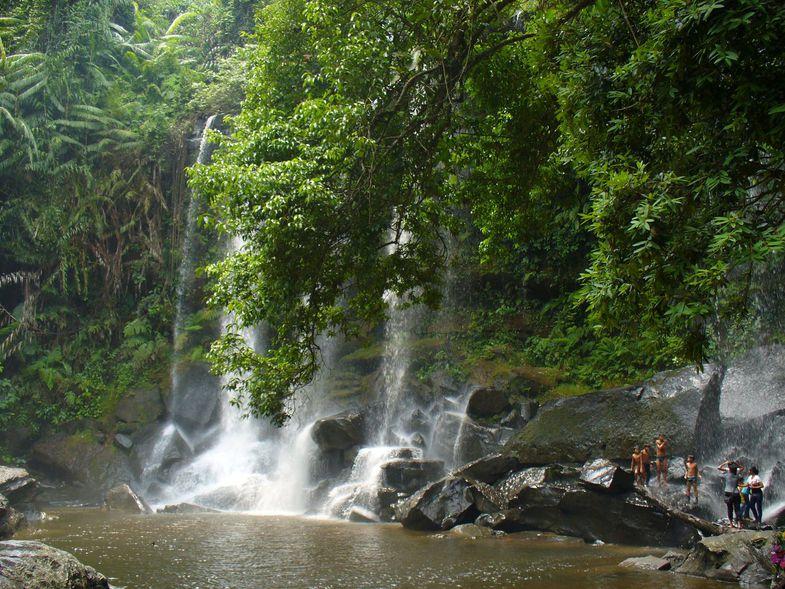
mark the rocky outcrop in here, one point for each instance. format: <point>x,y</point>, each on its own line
<point>549,498</point>
<point>487,402</point>
<point>82,459</point>
<point>11,520</point>
<point>489,469</point>
<point>196,405</point>
<point>610,423</point>
<point>604,475</point>
<point>740,556</point>
<point>339,432</point>
<point>32,565</point>
<point>460,436</point>
<point>16,484</point>
<point>123,498</point>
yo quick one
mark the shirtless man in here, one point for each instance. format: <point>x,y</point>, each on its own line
<point>636,465</point>
<point>691,475</point>
<point>662,460</point>
<point>646,461</point>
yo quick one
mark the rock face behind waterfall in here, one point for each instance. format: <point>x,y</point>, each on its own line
<point>32,565</point>
<point>610,423</point>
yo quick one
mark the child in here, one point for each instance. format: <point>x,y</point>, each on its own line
<point>636,465</point>
<point>646,461</point>
<point>691,475</point>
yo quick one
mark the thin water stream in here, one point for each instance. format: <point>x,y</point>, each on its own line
<point>212,551</point>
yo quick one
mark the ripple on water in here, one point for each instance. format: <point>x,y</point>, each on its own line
<point>211,551</point>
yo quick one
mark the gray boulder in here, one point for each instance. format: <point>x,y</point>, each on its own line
<point>446,503</point>
<point>487,402</point>
<point>408,475</point>
<point>186,508</point>
<point>459,436</point>
<point>741,557</point>
<point>646,563</point>
<point>604,475</point>
<point>339,432</point>
<point>33,565</point>
<point>490,468</point>
<point>611,423</point>
<point>137,408</point>
<point>16,484</point>
<point>123,498</point>
<point>471,531</point>
<point>11,520</point>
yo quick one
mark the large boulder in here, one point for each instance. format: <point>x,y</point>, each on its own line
<point>461,438</point>
<point>487,402</point>
<point>611,423</point>
<point>137,408</point>
<point>33,565</point>
<point>11,520</point>
<point>604,475</point>
<point>408,475</point>
<point>83,459</point>
<point>339,432</point>
<point>446,503</point>
<point>741,556</point>
<point>490,468</point>
<point>17,484</point>
<point>123,498</point>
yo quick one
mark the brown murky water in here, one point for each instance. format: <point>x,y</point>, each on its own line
<point>211,551</point>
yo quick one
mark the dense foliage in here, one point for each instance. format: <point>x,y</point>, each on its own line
<point>94,114</point>
<point>622,161</point>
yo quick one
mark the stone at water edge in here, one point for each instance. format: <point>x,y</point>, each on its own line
<point>646,563</point>
<point>16,484</point>
<point>604,475</point>
<point>122,498</point>
<point>33,565</point>
<point>471,531</point>
<point>11,520</point>
<point>741,556</point>
<point>186,508</point>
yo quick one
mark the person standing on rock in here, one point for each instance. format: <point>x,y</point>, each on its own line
<point>662,460</point>
<point>731,470</point>
<point>756,495</point>
<point>636,465</point>
<point>646,460</point>
<point>691,475</point>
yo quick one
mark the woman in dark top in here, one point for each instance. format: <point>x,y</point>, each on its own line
<point>731,470</point>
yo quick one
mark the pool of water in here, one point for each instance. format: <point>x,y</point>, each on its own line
<point>240,551</point>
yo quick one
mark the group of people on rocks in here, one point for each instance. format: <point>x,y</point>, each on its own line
<point>743,494</point>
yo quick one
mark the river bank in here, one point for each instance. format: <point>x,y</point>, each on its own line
<point>244,551</point>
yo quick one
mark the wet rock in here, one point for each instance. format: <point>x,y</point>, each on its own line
<point>646,563</point>
<point>604,475</point>
<point>494,521</point>
<point>196,404</point>
<point>123,441</point>
<point>186,508</point>
<point>490,468</point>
<point>418,441</point>
<point>412,474</point>
<point>471,531</point>
<point>33,565</point>
<point>418,422</point>
<point>82,459</point>
<point>775,485</point>
<point>675,557</point>
<point>16,484</point>
<point>514,486</point>
<point>386,499</point>
<point>448,502</point>
<point>11,520</point>
<point>741,556</point>
<point>339,432</point>
<point>363,516</point>
<point>123,498</point>
<point>137,408</point>
<point>487,402</point>
<point>460,436</point>
<point>611,423</point>
<point>167,447</point>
